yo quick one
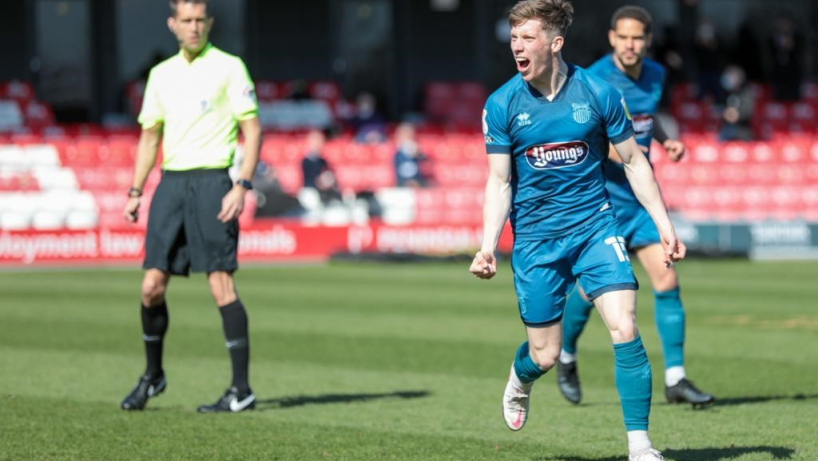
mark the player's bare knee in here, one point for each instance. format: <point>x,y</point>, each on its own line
<point>665,281</point>
<point>625,332</point>
<point>153,291</point>
<point>545,358</point>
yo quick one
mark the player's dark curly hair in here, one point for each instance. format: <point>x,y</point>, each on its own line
<point>174,3</point>
<point>633,12</point>
<point>556,15</point>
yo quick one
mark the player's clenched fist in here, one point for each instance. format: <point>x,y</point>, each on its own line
<point>484,265</point>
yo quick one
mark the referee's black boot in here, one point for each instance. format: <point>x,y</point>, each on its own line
<point>568,381</point>
<point>233,401</point>
<point>145,388</point>
<point>685,392</point>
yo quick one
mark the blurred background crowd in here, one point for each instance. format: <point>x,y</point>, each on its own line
<point>371,108</point>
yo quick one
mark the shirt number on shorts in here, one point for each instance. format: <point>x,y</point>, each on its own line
<point>618,244</point>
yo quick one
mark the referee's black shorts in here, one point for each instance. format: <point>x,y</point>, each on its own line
<point>184,233</point>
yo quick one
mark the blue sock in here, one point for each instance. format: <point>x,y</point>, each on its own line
<point>633,382</point>
<point>526,369</point>
<point>670,321</point>
<point>574,317</point>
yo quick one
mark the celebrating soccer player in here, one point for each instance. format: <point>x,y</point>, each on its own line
<point>547,131</point>
<point>640,81</point>
<point>194,102</point>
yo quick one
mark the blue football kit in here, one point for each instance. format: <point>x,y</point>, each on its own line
<point>642,97</point>
<point>561,214</point>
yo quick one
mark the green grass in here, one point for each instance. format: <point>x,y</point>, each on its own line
<point>397,362</point>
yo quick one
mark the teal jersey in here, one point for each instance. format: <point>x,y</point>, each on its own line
<point>557,148</point>
<point>642,96</point>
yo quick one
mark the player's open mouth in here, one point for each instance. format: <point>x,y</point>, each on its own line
<point>522,64</point>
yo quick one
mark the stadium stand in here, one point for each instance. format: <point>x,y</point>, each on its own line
<point>73,176</point>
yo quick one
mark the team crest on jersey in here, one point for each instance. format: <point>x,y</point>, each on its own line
<point>524,119</point>
<point>250,93</point>
<point>582,112</point>
<point>557,155</point>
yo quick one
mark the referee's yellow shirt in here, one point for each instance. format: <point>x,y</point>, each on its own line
<point>200,104</point>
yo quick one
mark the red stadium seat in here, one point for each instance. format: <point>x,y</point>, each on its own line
<point>267,91</point>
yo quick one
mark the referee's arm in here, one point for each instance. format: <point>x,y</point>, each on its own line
<point>251,129</point>
<point>145,159</point>
<point>233,202</point>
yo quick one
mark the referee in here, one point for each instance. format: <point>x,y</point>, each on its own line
<point>195,102</point>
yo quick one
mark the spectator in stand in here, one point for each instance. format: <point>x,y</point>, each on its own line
<point>315,169</point>
<point>708,55</point>
<point>787,54</point>
<point>411,165</point>
<point>738,110</point>
<point>367,123</point>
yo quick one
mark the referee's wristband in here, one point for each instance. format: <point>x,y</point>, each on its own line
<point>134,192</point>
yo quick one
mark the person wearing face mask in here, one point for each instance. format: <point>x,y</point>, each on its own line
<point>547,131</point>
<point>411,165</point>
<point>736,117</point>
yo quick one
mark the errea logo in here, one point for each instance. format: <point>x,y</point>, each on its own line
<point>524,119</point>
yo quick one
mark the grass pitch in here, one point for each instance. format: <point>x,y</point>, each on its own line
<point>397,362</point>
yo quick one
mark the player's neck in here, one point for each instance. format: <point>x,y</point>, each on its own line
<point>190,55</point>
<point>551,81</point>
<point>632,72</point>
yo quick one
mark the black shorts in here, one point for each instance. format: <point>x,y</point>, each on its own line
<point>184,233</point>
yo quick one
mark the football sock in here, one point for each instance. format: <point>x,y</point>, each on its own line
<point>525,368</point>
<point>575,316</point>
<point>154,325</point>
<point>638,441</point>
<point>670,321</point>
<point>633,383</point>
<point>673,375</point>
<point>566,357</point>
<point>234,322</point>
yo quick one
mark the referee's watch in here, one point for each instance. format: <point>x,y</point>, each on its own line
<point>244,183</point>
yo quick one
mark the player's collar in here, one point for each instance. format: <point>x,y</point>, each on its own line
<point>198,56</point>
<point>541,97</point>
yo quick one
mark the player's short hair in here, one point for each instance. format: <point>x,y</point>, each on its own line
<point>556,15</point>
<point>174,3</point>
<point>633,12</point>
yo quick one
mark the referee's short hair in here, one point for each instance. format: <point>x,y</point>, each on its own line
<point>633,12</point>
<point>174,3</point>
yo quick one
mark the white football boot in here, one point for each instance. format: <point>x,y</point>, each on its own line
<point>515,403</point>
<point>647,455</point>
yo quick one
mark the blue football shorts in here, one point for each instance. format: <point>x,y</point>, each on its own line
<point>637,227</point>
<point>545,270</point>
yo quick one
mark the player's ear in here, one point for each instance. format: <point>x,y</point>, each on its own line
<point>172,24</point>
<point>648,40</point>
<point>612,38</point>
<point>556,44</point>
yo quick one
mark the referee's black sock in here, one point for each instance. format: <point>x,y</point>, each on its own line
<point>154,326</point>
<point>234,321</point>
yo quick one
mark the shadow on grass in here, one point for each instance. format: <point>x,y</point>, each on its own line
<point>694,454</point>
<point>301,400</point>
<point>731,401</point>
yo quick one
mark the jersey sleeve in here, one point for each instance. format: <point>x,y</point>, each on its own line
<point>618,123</point>
<point>495,129</point>
<point>152,112</point>
<point>242,93</point>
